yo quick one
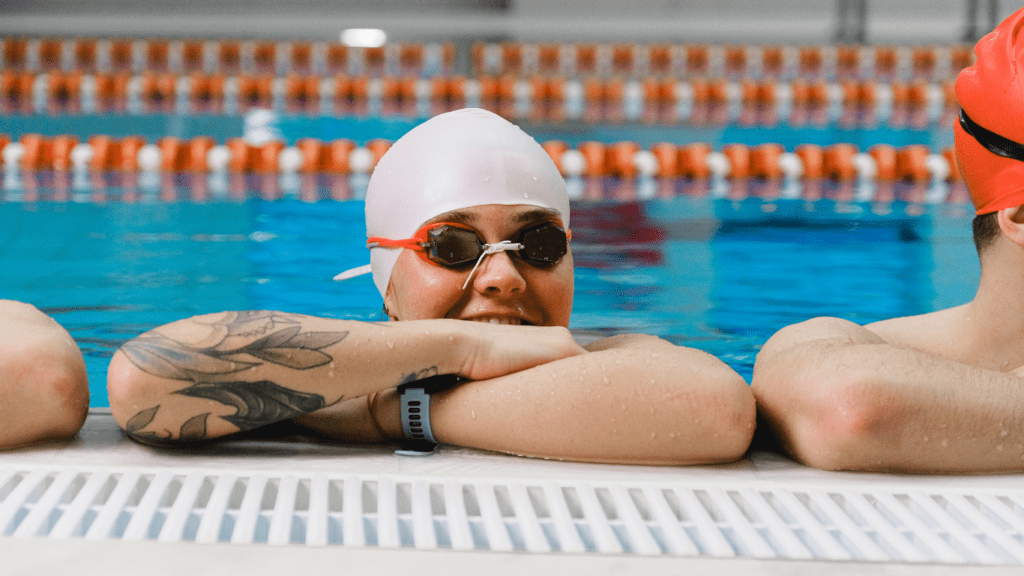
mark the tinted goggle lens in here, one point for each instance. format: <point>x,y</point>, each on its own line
<point>543,245</point>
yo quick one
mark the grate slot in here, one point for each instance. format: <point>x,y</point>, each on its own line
<point>715,541</point>
<point>216,509</point>
<point>249,511</point>
<point>16,500</point>
<point>139,526</point>
<point>747,535</point>
<point>1004,513</point>
<point>846,527</point>
<point>887,502</point>
<point>73,521</point>
<point>494,524</point>
<point>352,510</point>
<point>565,527</point>
<point>284,512</point>
<point>954,528</point>
<point>676,539</point>
<point>886,531</point>
<point>316,518</point>
<point>387,514</point>
<point>45,509</point>
<point>790,544</point>
<point>814,530</point>
<point>596,519</point>
<point>529,525</point>
<point>636,527</point>
<point>987,527</point>
<point>174,524</point>
<point>114,506</point>
<point>455,513</point>
<point>423,533</point>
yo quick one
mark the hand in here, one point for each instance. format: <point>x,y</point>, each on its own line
<point>492,350</point>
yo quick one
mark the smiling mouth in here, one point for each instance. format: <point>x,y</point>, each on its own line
<point>500,320</point>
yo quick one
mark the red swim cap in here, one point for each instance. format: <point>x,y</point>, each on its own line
<point>991,93</point>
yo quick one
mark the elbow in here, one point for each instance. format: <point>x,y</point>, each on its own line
<point>723,417</point>
<point>50,399</point>
<point>128,389</point>
<point>841,422</point>
<point>733,428</point>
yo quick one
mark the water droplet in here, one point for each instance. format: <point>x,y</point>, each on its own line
<point>391,344</point>
<point>232,365</point>
<point>332,365</point>
<point>671,434</point>
<point>451,338</point>
<point>526,195</point>
<point>487,178</point>
<point>472,414</point>
<point>1004,433</point>
<point>999,448</point>
<point>330,374</point>
<point>534,178</point>
<point>653,434</point>
<point>944,443</point>
<point>652,409</point>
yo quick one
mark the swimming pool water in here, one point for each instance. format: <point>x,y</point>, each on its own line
<point>714,274</point>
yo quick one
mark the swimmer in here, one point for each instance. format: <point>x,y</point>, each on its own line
<point>470,249</point>
<point>44,389</point>
<point>940,392</point>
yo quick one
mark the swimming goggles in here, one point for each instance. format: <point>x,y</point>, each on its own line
<point>455,246</point>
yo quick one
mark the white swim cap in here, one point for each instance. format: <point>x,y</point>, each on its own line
<point>464,158</point>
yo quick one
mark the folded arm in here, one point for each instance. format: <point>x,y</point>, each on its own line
<point>214,375</point>
<point>633,399</point>
<point>839,397</point>
<point>44,389</point>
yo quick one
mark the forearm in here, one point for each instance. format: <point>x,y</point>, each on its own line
<point>214,375</point>
<point>637,406</point>
<point>878,407</point>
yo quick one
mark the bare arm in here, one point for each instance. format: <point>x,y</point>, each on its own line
<point>839,397</point>
<point>634,399</point>
<point>44,389</point>
<point>214,375</point>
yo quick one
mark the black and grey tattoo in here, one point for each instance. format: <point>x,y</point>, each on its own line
<point>279,340</point>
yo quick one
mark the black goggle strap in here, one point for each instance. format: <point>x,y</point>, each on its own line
<point>991,141</point>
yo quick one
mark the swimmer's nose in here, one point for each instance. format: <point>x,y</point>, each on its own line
<point>495,272</point>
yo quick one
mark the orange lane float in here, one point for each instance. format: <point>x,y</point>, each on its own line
<point>813,159</point>
<point>912,163</point>
<point>739,160</point>
<point>594,157</point>
<point>764,161</point>
<point>885,161</point>
<point>693,160</point>
<point>555,149</point>
<point>667,155</point>
<point>838,162</point>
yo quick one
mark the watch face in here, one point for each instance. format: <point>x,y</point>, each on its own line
<point>432,384</point>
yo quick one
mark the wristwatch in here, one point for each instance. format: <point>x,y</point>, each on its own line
<point>414,398</point>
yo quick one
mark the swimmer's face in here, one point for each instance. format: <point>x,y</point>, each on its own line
<point>504,288</point>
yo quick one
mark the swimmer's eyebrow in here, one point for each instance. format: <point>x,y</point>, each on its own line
<point>467,218</point>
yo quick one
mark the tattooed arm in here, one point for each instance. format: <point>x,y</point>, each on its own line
<point>44,390</point>
<point>214,375</point>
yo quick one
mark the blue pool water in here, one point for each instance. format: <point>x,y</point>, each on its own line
<point>718,275</point>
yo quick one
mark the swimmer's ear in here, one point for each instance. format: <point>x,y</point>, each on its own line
<point>1011,222</point>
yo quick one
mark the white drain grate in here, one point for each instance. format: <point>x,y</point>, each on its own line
<point>392,512</point>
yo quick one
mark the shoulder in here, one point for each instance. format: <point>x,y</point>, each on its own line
<point>933,332</point>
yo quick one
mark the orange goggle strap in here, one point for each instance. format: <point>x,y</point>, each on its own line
<point>419,240</point>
